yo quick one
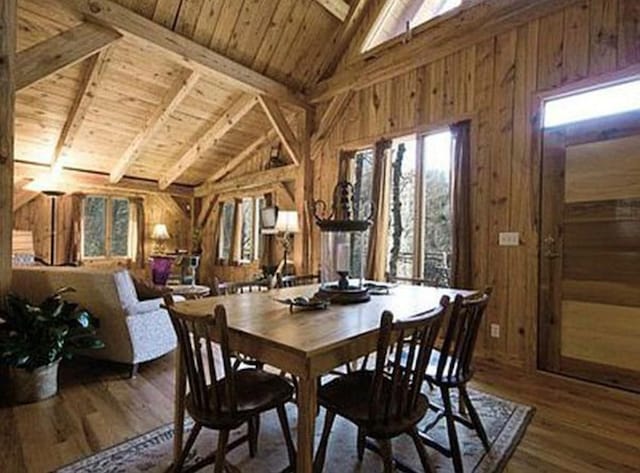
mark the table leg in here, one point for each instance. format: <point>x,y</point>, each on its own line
<point>307,405</point>
<point>178,405</point>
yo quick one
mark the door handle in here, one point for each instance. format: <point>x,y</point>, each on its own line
<point>550,248</point>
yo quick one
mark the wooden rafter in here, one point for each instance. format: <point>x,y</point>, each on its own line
<point>61,51</point>
<point>249,181</point>
<point>207,207</point>
<point>176,94</point>
<point>472,24</point>
<point>331,116</point>
<point>242,156</point>
<point>239,109</point>
<point>93,73</point>
<point>21,196</point>
<point>186,52</point>
<point>338,8</point>
<point>280,124</point>
<point>94,180</point>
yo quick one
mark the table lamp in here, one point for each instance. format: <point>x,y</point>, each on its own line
<point>160,234</point>
<point>287,224</point>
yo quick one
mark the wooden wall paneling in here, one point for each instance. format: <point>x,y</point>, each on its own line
<point>604,36</point>
<point>404,101</point>
<point>35,217</point>
<point>452,70</point>
<point>551,55</point>
<point>575,59</point>
<point>59,52</point>
<point>436,86</point>
<point>629,33</point>
<point>165,12</point>
<point>8,41</point>
<point>280,22</point>
<point>251,29</point>
<point>206,21</point>
<point>500,182</point>
<point>224,26</point>
<point>188,16</point>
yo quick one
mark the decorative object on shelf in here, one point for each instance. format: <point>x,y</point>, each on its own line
<point>161,268</point>
<point>35,338</point>
<point>286,225</point>
<point>305,303</point>
<point>342,239</point>
<point>160,235</point>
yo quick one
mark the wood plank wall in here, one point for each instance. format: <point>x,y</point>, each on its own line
<point>495,83</point>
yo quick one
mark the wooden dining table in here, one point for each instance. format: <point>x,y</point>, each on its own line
<point>306,344</point>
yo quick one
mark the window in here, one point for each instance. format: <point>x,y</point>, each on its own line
<point>420,238</point>
<point>597,103</point>
<point>249,243</point>
<point>396,15</point>
<point>106,227</point>
<point>363,182</point>
<point>226,230</point>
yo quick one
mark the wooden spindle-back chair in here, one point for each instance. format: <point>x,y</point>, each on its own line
<point>294,280</point>
<point>220,397</point>
<point>451,367</point>
<point>386,402</point>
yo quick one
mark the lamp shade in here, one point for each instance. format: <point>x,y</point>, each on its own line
<point>287,221</point>
<point>160,232</point>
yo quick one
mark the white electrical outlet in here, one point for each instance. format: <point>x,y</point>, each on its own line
<point>495,331</point>
<point>509,239</point>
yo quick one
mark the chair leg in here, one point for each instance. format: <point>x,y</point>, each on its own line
<point>187,447</point>
<point>254,429</point>
<point>223,438</point>
<point>475,418</point>
<point>387,455</point>
<point>362,438</point>
<point>451,430</point>
<point>284,424</point>
<point>321,453</point>
<point>422,451</point>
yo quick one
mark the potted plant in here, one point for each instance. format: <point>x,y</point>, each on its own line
<point>34,338</point>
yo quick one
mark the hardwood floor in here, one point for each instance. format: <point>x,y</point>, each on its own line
<point>578,427</point>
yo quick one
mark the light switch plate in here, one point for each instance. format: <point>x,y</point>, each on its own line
<point>495,331</point>
<point>509,239</point>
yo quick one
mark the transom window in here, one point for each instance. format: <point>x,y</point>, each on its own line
<point>397,15</point>
<point>106,227</point>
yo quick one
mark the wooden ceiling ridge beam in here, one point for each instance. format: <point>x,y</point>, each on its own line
<point>329,120</point>
<point>338,8</point>
<point>229,119</point>
<point>173,98</point>
<point>249,181</point>
<point>59,52</point>
<point>281,125</point>
<point>185,51</point>
<point>472,24</point>
<point>90,82</point>
<point>242,156</point>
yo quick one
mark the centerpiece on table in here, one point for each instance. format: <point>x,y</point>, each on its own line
<point>343,237</point>
<point>35,338</point>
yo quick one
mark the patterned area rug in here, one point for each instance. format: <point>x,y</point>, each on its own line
<point>504,421</point>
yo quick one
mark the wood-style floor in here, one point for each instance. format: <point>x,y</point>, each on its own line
<point>578,427</point>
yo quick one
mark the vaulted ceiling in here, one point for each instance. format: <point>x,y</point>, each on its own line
<point>130,109</point>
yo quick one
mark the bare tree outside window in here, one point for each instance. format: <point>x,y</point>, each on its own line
<point>106,227</point>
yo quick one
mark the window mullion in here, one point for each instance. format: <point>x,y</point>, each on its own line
<point>419,228</point>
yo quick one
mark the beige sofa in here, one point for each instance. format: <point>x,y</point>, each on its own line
<point>133,331</point>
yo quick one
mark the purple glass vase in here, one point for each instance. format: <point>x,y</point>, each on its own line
<point>161,269</point>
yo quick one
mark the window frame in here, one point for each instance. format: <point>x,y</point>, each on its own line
<point>255,233</point>
<point>108,229</point>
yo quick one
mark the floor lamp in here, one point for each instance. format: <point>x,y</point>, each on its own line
<point>287,225</point>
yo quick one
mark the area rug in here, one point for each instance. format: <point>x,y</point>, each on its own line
<point>504,421</point>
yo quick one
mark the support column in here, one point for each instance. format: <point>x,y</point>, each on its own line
<point>303,245</point>
<point>8,28</point>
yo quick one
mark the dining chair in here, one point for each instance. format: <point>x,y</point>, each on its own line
<point>220,397</point>
<point>242,287</point>
<point>450,368</point>
<point>386,402</point>
<point>294,280</point>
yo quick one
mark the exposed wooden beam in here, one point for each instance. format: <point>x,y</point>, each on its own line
<point>22,197</point>
<point>475,23</point>
<point>8,41</point>
<point>61,51</point>
<point>93,73</point>
<point>338,8</point>
<point>186,52</point>
<point>331,116</point>
<point>93,180</point>
<point>176,94</point>
<point>242,156</point>
<point>289,199</point>
<point>239,109</point>
<point>248,181</point>
<point>280,124</point>
<point>207,207</point>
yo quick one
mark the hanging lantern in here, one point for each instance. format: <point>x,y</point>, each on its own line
<point>343,239</point>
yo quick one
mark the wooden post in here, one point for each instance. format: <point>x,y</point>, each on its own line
<point>8,24</point>
<point>302,249</point>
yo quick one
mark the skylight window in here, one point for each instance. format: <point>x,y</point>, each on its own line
<point>597,103</point>
<point>396,14</point>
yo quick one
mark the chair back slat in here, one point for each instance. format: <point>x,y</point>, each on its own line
<point>395,389</point>
<point>196,336</point>
<point>460,338</point>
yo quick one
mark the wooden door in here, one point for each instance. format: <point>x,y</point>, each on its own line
<point>590,251</point>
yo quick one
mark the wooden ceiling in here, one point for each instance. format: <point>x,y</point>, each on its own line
<point>131,109</point>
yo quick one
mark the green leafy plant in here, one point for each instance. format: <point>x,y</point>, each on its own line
<point>36,335</point>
